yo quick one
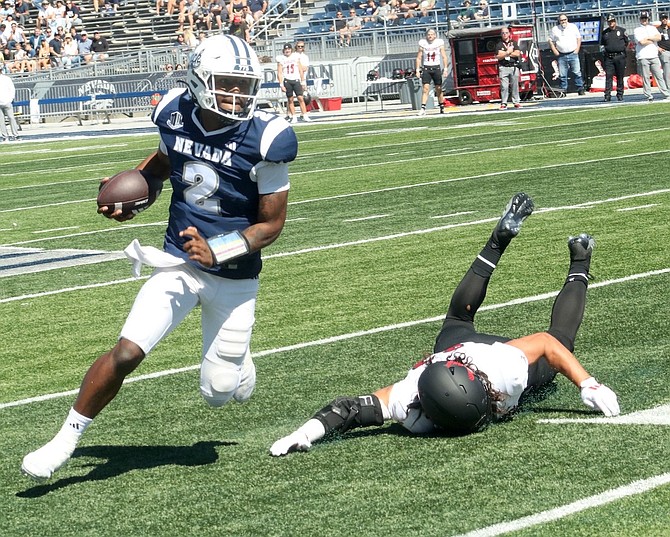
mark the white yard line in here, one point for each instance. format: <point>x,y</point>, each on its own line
<point>342,337</point>
<point>609,496</point>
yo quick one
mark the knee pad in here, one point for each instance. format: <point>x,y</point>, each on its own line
<point>223,371</point>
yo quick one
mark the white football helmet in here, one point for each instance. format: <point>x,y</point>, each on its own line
<point>212,64</point>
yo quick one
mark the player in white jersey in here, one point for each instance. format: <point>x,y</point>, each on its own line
<point>431,61</point>
<point>227,164</point>
<point>473,378</point>
<point>291,75</point>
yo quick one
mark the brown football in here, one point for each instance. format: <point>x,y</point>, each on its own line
<point>129,191</point>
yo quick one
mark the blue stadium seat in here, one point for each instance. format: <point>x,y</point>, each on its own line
<point>429,19</point>
<point>331,8</point>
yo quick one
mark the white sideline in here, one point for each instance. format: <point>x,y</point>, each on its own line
<point>343,337</point>
<point>609,496</point>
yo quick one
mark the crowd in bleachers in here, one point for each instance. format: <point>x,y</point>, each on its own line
<point>401,15</point>
<point>35,38</point>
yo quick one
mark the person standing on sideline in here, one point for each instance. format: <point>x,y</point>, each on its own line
<point>508,55</point>
<point>431,61</point>
<point>614,42</point>
<point>664,47</point>
<point>646,53</point>
<point>7,94</point>
<point>227,164</point>
<point>291,78</point>
<point>565,42</point>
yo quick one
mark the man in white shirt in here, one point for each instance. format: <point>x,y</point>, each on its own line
<point>7,94</point>
<point>565,42</point>
<point>646,54</point>
<point>473,377</point>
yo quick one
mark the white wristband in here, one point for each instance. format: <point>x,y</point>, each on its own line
<point>228,246</point>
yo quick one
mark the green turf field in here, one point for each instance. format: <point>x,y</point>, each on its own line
<point>384,219</point>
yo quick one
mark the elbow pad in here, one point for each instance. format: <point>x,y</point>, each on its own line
<point>346,413</point>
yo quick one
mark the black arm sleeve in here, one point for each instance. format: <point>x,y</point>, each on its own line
<point>346,413</point>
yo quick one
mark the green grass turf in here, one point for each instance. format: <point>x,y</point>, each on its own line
<point>157,461</point>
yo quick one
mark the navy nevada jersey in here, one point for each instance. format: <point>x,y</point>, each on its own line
<point>214,174</point>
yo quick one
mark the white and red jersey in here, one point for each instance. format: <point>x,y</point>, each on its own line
<point>290,66</point>
<point>432,56</point>
<point>505,365</point>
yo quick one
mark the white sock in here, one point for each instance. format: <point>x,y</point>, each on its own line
<point>74,426</point>
<point>313,430</point>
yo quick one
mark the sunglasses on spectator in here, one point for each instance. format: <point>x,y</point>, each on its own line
<point>562,20</point>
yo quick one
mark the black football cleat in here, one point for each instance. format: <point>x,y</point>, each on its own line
<point>518,209</point>
<point>581,247</point>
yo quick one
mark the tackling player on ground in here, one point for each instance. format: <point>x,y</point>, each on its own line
<point>227,164</point>
<point>474,378</point>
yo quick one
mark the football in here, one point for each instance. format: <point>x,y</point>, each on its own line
<point>129,191</point>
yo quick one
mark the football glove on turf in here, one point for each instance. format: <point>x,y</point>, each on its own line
<point>296,441</point>
<point>598,396</point>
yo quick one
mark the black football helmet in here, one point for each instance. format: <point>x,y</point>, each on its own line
<point>410,73</point>
<point>398,74</point>
<point>373,75</point>
<point>307,98</point>
<point>454,398</point>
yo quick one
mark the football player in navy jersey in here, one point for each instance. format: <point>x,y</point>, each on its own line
<point>473,378</point>
<point>228,166</point>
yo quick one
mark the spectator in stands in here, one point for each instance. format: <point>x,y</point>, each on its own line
<point>74,34</point>
<point>31,57</point>
<point>18,65</point>
<point>385,13</point>
<point>339,26</point>
<point>257,8</point>
<point>235,7</point>
<point>189,39</point>
<point>180,42</point>
<point>426,6</point>
<point>467,14</point>
<point>44,56</point>
<point>201,17</point>
<point>646,53</point>
<point>7,95</point>
<point>59,19</point>
<point>110,8</point>
<point>45,14</point>
<point>354,23</point>
<point>22,12</point>
<point>6,9</point>
<point>217,14</point>
<point>248,17</point>
<point>238,27</point>
<point>369,9</point>
<point>56,50</point>
<point>187,10</point>
<point>172,5</point>
<point>99,47</point>
<point>407,8</point>
<point>73,13</point>
<point>70,53</point>
<point>36,39</point>
<point>169,68</point>
<point>482,14</point>
<point>85,43</point>
<point>178,67</point>
<point>16,34</point>
<point>96,5</point>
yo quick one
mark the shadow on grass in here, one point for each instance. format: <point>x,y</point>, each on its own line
<point>122,459</point>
